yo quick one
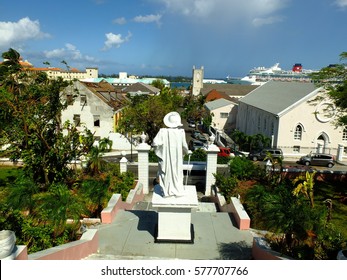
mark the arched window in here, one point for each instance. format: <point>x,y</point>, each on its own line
<point>298,132</point>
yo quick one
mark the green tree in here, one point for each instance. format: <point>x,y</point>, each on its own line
<point>146,113</point>
<point>21,195</point>
<point>250,142</point>
<point>95,192</point>
<point>158,84</point>
<point>334,79</point>
<point>30,111</point>
<point>95,162</point>
<point>290,217</point>
<point>195,110</point>
<point>243,169</point>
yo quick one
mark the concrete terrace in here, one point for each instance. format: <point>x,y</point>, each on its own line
<point>132,236</point>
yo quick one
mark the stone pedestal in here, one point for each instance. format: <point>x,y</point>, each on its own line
<point>123,163</point>
<point>340,152</point>
<point>211,167</point>
<point>174,215</point>
<point>143,166</point>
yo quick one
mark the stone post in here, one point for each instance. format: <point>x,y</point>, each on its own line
<point>340,153</point>
<point>123,163</point>
<point>211,165</point>
<point>143,163</point>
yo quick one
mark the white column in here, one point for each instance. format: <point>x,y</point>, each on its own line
<point>211,166</point>
<point>123,163</point>
<point>340,152</point>
<point>143,163</point>
<point>319,148</point>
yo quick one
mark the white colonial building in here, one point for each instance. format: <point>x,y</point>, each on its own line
<point>223,113</point>
<point>97,107</point>
<point>298,117</point>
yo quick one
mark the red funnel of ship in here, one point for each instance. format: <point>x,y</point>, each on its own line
<point>297,67</point>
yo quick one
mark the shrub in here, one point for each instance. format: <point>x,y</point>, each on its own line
<point>122,184</point>
<point>226,185</point>
<point>197,155</point>
<point>244,169</point>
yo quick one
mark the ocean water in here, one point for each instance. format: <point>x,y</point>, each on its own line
<point>185,85</point>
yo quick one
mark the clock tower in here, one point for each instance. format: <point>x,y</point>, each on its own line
<point>198,76</point>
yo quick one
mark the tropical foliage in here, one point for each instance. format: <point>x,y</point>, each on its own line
<point>297,225</point>
<point>194,109</point>
<point>250,142</point>
<point>30,112</point>
<point>146,113</point>
<point>334,79</point>
<point>240,169</point>
<point>50,190</point>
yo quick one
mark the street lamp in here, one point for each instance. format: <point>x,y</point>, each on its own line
<point>131,142</point>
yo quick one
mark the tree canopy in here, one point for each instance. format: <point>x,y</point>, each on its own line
<point>334,79</point>
<point>145,113</point>
<point>31,128</point>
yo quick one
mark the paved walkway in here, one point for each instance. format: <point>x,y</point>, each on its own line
<point>132,236</point>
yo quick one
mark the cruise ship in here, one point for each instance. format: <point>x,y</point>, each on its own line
<point>260,75</point>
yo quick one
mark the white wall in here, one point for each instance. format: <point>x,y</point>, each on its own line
<point>251,121</point>
<point>304,115</point>
<point>94,106</point>
<point>224,123</point>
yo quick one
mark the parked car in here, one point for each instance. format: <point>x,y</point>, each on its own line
<point>318,159</point>
<point>227,152</point>
<point>191,122</point>
<point>262,154</point>
<point>198,136</point>
<point>195,144</point>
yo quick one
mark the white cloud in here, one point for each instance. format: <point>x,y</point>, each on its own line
<point>225,11</point>
<point>120,21</point>
<point>341,3</point>
<point>148,19</point>
<point>68,53</point>
<point>18,32</point>
<point>115,40</point>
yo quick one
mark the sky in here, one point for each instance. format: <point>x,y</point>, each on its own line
<point>169,37</point>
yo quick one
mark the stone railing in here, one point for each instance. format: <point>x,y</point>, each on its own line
<point>76,250</point>
<point>115,204</point>
<point>236,208</point>
<point>261,250</point>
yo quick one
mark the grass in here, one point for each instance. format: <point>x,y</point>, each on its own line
<point>337,192</point>
<point>8,173</point>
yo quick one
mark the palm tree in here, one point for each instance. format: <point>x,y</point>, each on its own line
<point>22,194</point>
<point>105,144</point>
<point>287,215</point>
<point>95,162</point>
<point>95,192</point>
<point>305,185</point>
<point>59,204</point>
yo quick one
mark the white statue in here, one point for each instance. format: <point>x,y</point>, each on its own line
<point>170,146</point>
<point>7,243</point>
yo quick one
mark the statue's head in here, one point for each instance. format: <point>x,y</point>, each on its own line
<point>172,120</point>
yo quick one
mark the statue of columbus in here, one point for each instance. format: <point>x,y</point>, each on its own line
<point>170,146</point>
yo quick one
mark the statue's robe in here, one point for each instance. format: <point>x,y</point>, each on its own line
<point>170,146</point>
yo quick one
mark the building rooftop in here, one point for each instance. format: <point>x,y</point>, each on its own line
<point>275,96</point>
<point>218,103</point>
<point>229,89</point>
